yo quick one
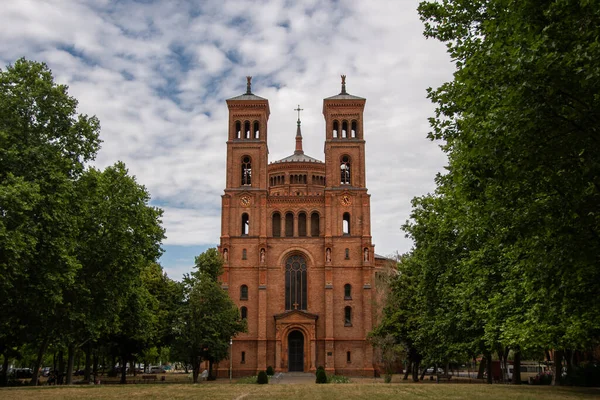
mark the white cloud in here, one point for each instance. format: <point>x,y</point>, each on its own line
<point>157,75</point>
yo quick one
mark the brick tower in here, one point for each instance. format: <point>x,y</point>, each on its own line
<point>296,240</point>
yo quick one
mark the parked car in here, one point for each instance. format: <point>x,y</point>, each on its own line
<point>157,370</point>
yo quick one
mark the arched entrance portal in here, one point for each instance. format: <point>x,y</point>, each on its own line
<point>296,351</point>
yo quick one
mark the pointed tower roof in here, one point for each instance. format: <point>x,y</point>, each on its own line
<point>343,94</point>
<point>248,95</point>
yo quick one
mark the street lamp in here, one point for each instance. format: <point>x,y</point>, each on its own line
<point>230,357</point>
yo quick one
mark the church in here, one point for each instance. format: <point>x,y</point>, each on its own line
<point>296,243</point>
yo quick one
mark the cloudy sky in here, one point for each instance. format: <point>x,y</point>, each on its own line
<point>157,73</point>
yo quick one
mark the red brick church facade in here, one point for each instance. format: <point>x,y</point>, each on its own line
<point>296,240</point>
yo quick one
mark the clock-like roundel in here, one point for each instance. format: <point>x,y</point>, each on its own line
<point>346,200</point>
<point>245,201</point>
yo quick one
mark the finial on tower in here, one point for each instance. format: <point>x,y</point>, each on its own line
<point>248,85</point>
<point>343,85</point>
<point>298,133</point>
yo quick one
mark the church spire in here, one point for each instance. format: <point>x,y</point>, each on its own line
<point>298,134</point>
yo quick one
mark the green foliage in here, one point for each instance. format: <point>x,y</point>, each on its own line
<point>321,375</point>
<point>387,378</point>
<point>505,253</point>
<point>262,378</point>
<point>44,145</point>
<point>209,263</point>
<point>208,319</point>
<point>270,371</point>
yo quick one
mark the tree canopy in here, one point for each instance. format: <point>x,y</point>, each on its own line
<point>506,249</point>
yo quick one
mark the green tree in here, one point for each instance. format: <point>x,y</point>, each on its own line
<point>208,319</point>
<point>44,145</point>
<point>519,124</point>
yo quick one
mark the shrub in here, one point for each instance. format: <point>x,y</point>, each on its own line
<point>321,375</point>
<point>262,378</point>
<point>388,378</point>
<point>543,378</point>
<point>270,371</point>
<point>585,375</point>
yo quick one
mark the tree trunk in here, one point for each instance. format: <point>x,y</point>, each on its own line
<point>516,378</point>
<point>415,372</point>
<point>195,370</point>
<point>424,372</point>
<point>569,359</point>
<point>60,376</point>
<point>123,370</point>
<point>133,366</point>
<point>70,359</point>
<point>4,372</point>
<point>408,370</point>
<point>210,369</point>
<point>488,361</point>
<point>481,368</point>
<point>38,361</point>
<point>88,361</point>
<point>95,367</point>
<point>557,369</point>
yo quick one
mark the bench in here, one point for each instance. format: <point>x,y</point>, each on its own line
<point>443,378</point>
<point>148,378</point>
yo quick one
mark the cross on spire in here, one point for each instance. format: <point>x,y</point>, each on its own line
<point>298,109</point>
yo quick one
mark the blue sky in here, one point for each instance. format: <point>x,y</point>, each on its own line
<point>157,73</point>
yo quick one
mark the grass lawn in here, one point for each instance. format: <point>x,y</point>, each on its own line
<point>220,390</point>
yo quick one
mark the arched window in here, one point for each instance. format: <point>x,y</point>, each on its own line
<point>336,128</point>
<point>246,171</point>
<point>346,224</point>
<point>243,358</point>
<point>276,225</point>
<point>244,311</point>
<point>245,224</point>
<point>289,224</point>
<point>243,292</point>
<point>295,283</point>
<point>256,130</point>
<point>244,254</point>
<point>348,291</point>
<point>353,129</point>
<point>247,130</point>
<point>302,224</point>
<point>314,224</point>
<point>238,129</point>
<point>345,170</point>
<point>348,357</point>
<point>344,129</point>
<point>347,254</point>
<point>348,316</point>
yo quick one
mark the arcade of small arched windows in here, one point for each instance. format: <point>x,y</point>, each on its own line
<point>344,132</point>
<point>250,131</point>
<point>277,180</point>
<point>295,225</point>
<point>318,180</point>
